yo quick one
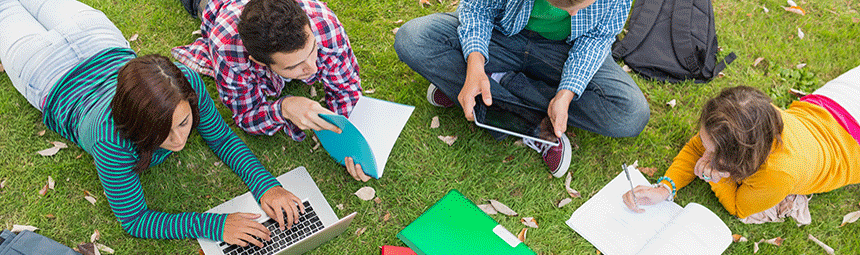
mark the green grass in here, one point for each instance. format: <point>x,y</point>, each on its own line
<point>421,168</point>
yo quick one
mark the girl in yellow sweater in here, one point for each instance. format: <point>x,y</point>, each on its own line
<point>754,155</point>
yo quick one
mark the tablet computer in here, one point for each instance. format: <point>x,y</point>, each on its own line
<point>513,119</point>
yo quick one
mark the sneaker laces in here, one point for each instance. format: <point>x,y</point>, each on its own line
<point>540,147</point>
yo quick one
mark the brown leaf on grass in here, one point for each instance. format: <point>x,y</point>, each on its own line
<point>95,236</point>
<point>529,221</point>
<point>564,202</point>
<point>757,61</point>
<point>775,241</point>
<point>365,193</point>
<point>44,190</point>
<point>60,145</point>
<point>41,133</point>
<point>89,197</point>
<point>519,143</point>
<point>801,65</point>
<point>795,9</point>
<point>316,143</point>
<point>721,75</point>
<point>522,234</point>
<point>800,34</point>
<point>377,200</point>
<point>755,247</point>
<point>360,231</point>
<point>3,183</point>
<point>508,159</point>
<point>217,163</point>
<point>850,218</point>
<point>797,93</point>
<point>19,228</point>
<point>423,2</point>
<point>197,32</point>
<point>386,217</point>
<point>650,171</point>
<point>502,208</point>
<point>823,246</point>
<point>448,139</point>
<point>49,151</point>
<point>104,248</point>
<point>672,103</point>
<point>488,209</point>
<point>339,206</point>
<point>766,10</point>
<point>50,216</point>
<point>370,91</point>
<point>81,155</point>
<point>2,69</point>
<point>570,191</point>
<point>87,249</point>
<point>626,69</point>
<point>394,30</point>
<point>434,122</point>
<point>50,182</point>
<point>400,21</point>
<point>738,238</point>
<point>133,37</point>
<point>313,91</point>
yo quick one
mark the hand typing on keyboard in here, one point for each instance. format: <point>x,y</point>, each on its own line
<point>307,224</point>
<point>241,229</point>
<point>276,201</point>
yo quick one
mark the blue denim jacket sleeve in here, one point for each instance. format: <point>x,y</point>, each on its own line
<point>476,25</point>
<point>589,50</point>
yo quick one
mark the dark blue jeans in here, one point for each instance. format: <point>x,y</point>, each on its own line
<point>611,105</point>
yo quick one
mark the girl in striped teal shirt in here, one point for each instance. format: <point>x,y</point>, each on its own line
<point>129,113</point>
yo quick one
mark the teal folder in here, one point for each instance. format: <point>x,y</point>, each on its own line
<point>349,143</point>
<point>454,225</point>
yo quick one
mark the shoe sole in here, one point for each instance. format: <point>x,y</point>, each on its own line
<point>565,159</point>
<point>430,91</point>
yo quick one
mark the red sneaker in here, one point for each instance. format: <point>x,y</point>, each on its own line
<point>437,98</point>
<point>556,157</point>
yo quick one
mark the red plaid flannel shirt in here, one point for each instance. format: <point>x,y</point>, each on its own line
<point>244,85</point>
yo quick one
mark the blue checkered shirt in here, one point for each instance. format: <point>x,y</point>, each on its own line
<point>592,31</point>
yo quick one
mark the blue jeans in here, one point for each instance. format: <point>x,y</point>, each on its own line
<point>42,40</point>
<point>611,105</point>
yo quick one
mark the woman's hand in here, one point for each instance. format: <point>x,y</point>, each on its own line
<point>241,228</point>
<point>704,171</point>
<point>645,195</point>
<point>276,201</point>
<point>355,171</point>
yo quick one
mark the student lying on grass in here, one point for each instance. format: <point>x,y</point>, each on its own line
<point>129,113</point>
<point>754,155</point>
<point>253,48</point>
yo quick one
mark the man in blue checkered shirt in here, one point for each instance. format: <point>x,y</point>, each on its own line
<point>546,54</point>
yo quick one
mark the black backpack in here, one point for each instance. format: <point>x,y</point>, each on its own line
<point>671,40</point>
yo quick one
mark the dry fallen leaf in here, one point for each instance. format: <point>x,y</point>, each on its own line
<point>819,243</point>
<point>850,218</point>
<point>50,182</point>
<point>394,31</point>
<point>360,231</point>
<point>339,206</point>
<point>791,3</point>
<point>313,91</point>
<point>95,236</point>
<point>365,193</point>
<point>133,37</point>
<point>50,216</point>
<point>377,200</point>
<point>766,10</point>
<point>564,202</point>
<point>626,69</point>
<point>797,93</point>
<point>197,32</point>
<point>502,208</point>
<point>795,9</point>
<point>738,238</point>
<point>522,234</point>
<point>386,217</point>
<point>800,33</point>
<point>448,139</point>
<point>775,241</point>
<point>757,61</point>
<point>217,163</point>
<point>3,183</point>
<point>508,159</point>
<point>488,209</point>
<point>721,75</point>
<point>60,145</point>
<point>570,191</point>
<point>370,91</point>
<point>44,190</point>
<point>423,2</point>
<point>91,199</point>
<point>49,151</point>
<point>801,65</point>
<point>87,249</point>
<point>2,69</point>
<point>19,228</point>
<point>672,103</point>
<point>104,248</point>
<point>650,171</point>
<point>81,155</point>
<point>755,247</point>
<point>400,21</point>
<point>41,133</point>
<point>529,221</point>
<point>316,143</point>
<point>434,123</point>
<point>519,143</point>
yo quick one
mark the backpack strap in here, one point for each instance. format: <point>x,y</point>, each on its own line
<point>722,65</point>
<point>682,39</point>
<point>642,20</point>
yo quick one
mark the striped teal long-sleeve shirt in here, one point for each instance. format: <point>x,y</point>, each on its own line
<point>78,108</point>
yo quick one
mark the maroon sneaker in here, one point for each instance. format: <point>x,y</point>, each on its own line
<point>437,98</point>
<point>556,157</point>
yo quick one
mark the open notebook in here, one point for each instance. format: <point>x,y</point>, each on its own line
<point>664,228</point>
<point>368,135</point>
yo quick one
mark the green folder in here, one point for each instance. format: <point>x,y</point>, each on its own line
<point>454,225</point>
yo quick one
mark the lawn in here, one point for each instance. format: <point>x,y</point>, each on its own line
<point>422,168</point>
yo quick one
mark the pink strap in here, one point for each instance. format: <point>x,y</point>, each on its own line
<point>840,114</point>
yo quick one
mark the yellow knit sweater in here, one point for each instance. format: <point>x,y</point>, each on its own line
<point>816,155</point>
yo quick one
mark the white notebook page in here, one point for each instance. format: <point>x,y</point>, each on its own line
<point>380,122</point>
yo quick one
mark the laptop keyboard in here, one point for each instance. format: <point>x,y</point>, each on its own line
<point>309,223</point>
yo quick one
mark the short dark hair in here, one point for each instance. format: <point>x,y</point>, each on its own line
<point>743,125</point>
<point>270,26</point>
<point>148,90</point>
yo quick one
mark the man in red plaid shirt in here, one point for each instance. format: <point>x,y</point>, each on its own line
<point>254,47</point>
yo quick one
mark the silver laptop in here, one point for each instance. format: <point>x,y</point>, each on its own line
<point>318,225</point>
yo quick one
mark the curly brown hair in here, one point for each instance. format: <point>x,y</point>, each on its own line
<point>744,126</point>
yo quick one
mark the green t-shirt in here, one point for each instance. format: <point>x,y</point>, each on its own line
<point>548,21</point>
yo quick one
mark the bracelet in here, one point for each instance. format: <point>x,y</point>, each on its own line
<point>673,189</point>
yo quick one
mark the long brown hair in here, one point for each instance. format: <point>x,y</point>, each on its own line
<point>147,92</point>
<point>743,125</point>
